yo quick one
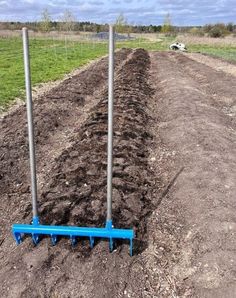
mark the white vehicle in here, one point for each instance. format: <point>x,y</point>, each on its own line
<point>178,46</point>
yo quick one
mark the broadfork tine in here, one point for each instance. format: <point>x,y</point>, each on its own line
<point>35,238</point>
<point>111,244</point>
<point>54,239</point>
<point>91,239</point>
<point>73,240</point>
<point>18,238</point>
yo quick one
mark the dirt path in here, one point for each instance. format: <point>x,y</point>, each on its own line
<point>174,182</point>
<point>217,64</point>
<point>197,216</point>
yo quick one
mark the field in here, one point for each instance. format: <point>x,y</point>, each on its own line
<point>219,47</point>
<point>54,56</point>
<point>50,60</point>
<point>174,180</point>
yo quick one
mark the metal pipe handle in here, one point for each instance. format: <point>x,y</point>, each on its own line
<point>30,123</point>
<point>110,123</point>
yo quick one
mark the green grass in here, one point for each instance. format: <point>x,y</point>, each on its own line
<point>147,44</point>
<point>226,52</point>
<point>50,60</point>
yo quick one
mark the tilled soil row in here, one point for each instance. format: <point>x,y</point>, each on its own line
<point>76,192</point>
<point>56,119</point>
<point>51,111</point>
<point>195,222</point>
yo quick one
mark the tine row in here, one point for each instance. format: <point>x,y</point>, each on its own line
<point>54,239</point>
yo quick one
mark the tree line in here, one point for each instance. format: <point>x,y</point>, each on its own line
<point>68,23</point>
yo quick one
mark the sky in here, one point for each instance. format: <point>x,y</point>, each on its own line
<point>142,12</point>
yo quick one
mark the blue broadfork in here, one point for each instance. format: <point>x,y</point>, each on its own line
<point>36,229</point>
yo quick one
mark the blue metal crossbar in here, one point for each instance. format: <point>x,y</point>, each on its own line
<point>36,229</point>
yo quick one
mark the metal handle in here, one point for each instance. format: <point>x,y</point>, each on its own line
<point>110,123</point>
<point>30,124</point>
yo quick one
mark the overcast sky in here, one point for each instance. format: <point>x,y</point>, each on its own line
<point>183,12</point>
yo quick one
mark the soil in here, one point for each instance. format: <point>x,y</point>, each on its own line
<point>174,173</point>
<point>219,64</point>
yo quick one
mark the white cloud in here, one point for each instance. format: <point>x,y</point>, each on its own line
<point>143,11</point>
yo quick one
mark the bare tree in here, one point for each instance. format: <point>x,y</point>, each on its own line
<point>68,21</point>
<point>46,21</point>
<point>167,27</point>
<point>121,24</point>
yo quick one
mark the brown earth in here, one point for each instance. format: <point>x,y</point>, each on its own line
<point>218,64</point>
<point>174,182</point>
